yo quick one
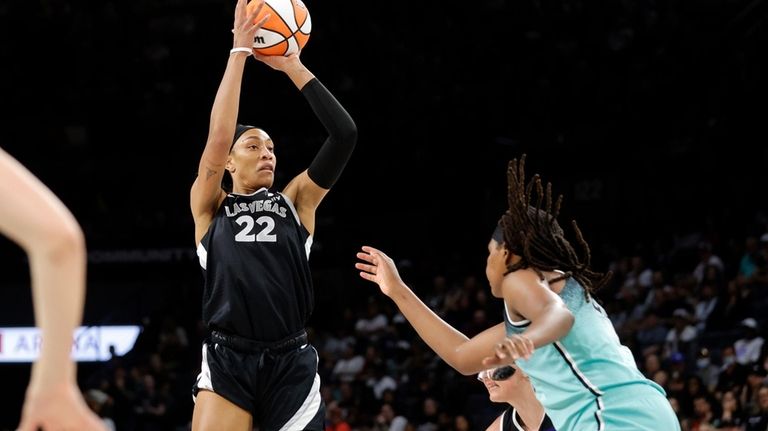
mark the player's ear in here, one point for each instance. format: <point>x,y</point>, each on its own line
<point>230,166</point>
<point>509,256</point>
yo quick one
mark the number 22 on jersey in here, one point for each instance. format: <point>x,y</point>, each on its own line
<point>246,234</point>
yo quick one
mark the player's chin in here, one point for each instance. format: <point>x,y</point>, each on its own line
<point>494,395</point>
<point>266,177</point>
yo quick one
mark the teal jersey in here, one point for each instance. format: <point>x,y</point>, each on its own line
<point>588,380</point>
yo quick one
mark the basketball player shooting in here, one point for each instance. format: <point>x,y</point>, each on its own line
<point>254,244</point>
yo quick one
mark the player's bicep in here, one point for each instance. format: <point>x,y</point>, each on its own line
<point>206,191</point>
<point>308,193</point>
<point>306,196</point>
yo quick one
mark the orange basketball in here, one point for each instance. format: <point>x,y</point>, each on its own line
<point>287,29</point>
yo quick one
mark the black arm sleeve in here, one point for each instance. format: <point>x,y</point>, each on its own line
<point>342,135</point>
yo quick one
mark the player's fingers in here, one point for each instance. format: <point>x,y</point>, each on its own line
<point>365,256</point>
<point>239,7</point>
<point>255,12</point>
<point>370,250</point>
<point>514,351</point>
<point>522,347</point>
<point>367,268</point>
<point>491,361</point>
<point>501,350</point>
<point>251,18</point>
<point>368,276</point>
<point>529,347</point>
<point>261,22</point>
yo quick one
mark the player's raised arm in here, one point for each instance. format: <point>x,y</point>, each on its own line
<point>309,187</point>
<point>464,354</point>
<point>206,191</point>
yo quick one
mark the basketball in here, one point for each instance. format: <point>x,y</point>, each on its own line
<point>287,29</point>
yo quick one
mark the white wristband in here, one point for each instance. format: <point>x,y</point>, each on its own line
<point>248,51</point>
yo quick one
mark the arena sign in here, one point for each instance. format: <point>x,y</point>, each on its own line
<point>90,343</point>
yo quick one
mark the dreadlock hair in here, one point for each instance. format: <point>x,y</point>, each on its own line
<point>533,233</point>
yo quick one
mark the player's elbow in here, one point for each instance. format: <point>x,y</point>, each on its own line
<point>466,370</point>
<point>461,363</point>
<point>348,133</point>
<point>64,241</point>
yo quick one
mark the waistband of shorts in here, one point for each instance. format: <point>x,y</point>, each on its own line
<point>247,345</point>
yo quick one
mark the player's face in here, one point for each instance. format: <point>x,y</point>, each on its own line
<point>253,159</point>
<point>499,391</point>
<point>496,266</point>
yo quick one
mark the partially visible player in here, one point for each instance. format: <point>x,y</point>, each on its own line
<point>553,329</point>
<point>33,217</point>
<point>510,385</point>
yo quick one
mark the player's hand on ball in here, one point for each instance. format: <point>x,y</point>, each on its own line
<point>509,350</point>
<point>380,269</point>
<point>279,62</point>
<point>246,25</point>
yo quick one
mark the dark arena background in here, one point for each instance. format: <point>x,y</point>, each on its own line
<point>649,117</point>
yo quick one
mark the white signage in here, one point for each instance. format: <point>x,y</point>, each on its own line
<point>90,343</point>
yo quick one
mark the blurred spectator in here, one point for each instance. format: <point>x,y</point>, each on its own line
<point>374,323</point>
<point>335,419</point>
<point>703,413</point>
<point>705,305</point>
<point>749,260</point>
<point>706,370</point>
<point>731,414</point>
<point>100,403</point>
<point>682,335</point>
<point>707,258</point>
<point>429,418</point>
<point>389,420</point>
<point>380,382</point>
<point>750,393</point>
<point>758,421</point>
<point>732,374</point>
<point>749,347</point>
<point>349,365</point>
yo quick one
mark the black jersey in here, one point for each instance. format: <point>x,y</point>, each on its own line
<point>511,421</point>
<point>256,269</point>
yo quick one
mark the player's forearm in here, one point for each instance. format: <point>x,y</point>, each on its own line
<point>299,74</point>
<point>39,222</point>
<point>439,335</point>
<point>58,290</point>
<point>227,102</point>
<point>552,324</point>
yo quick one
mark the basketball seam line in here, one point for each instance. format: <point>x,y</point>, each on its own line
<point>293,34</point>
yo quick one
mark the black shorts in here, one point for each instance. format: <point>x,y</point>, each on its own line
<point>276,382</point>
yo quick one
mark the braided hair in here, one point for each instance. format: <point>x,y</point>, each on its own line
<point>532,232</point>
